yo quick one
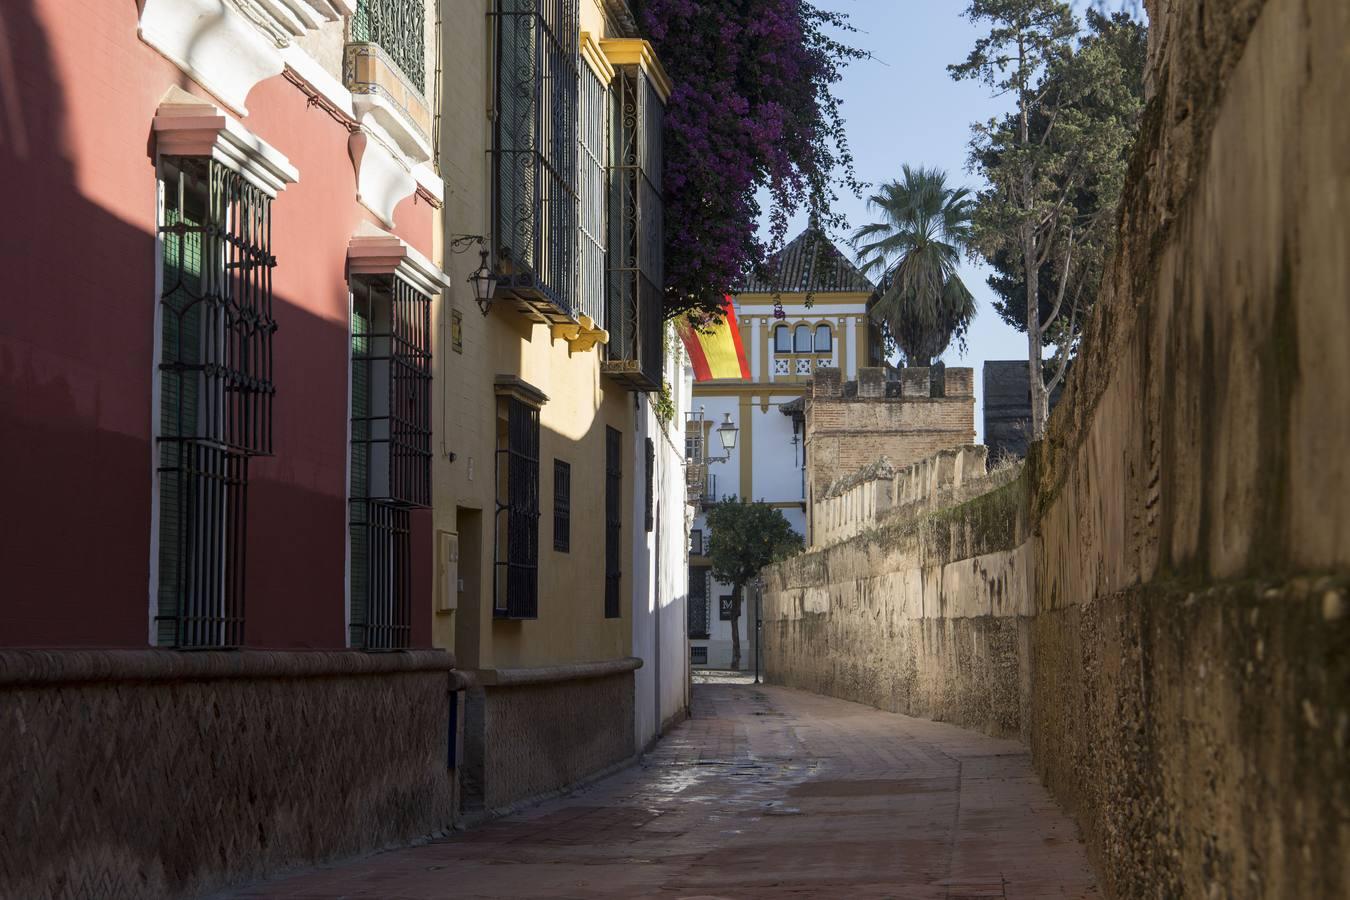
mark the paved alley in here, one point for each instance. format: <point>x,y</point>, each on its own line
<point>766,792</point>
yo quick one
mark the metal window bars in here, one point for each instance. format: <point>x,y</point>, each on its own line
<point>216,391</point>
<point>613,521</point>
<point>592,194</point>
<point>399,27</point>
<point>534,155</point>
<point>637,234</point>
<point>390,453</point>
<point>698,603</point>
<point>516,547</point>
<point>562,506</point>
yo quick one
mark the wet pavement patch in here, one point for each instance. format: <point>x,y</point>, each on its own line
<point>873,787</point>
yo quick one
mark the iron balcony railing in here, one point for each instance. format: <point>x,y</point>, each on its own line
<point>399,27</point>
<point>700,484</point>
<point>637,234</point>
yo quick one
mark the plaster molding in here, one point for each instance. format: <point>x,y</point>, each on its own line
<point>581,336</point>
<point>383,179</point>
<point>185,125</point>
<point>430,183</point>
<point>213,43</point>
<point>590,51</point>
<point>375,252</point>
<point>307,68</point>
<point>638,52</point>
<point>284,20</point>
<point>520,389</point>
<point>382,92</point>
<point>228,46</point>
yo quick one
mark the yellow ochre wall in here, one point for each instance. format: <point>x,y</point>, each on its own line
<point>571,626</point>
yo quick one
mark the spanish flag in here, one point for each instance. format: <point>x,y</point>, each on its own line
<point>716,350</point>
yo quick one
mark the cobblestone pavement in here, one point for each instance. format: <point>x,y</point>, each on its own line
<point>765,792</point>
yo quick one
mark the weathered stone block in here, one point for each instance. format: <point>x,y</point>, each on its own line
<point>871,383</point>
<point>915,382</point>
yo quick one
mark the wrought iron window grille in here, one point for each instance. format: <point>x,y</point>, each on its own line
<point>390,453</point>
<point>593,195</point>
<point>698,603</point>
<point>637,233</point>
<point>399,28</point>
<point>534,155</point>
<point>216,391</point>
<point>613,521</point>
<point>562,506</point>
<point>516,533</point>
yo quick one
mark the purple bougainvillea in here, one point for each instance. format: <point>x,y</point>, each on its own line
<point>752,107</point>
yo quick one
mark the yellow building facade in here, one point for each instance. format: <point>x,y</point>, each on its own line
<point>545,430</point>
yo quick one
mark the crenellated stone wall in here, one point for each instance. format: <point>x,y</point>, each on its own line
<point>854,503</point>
<point>1157,604</point>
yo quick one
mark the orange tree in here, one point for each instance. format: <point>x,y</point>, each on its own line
<point>745,537</point>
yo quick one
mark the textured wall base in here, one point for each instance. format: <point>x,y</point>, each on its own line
<point>1180,556</point>
<point>1200,736</point>
<point>172,774</point>
<point>963,671</point>
<point>541,737</point>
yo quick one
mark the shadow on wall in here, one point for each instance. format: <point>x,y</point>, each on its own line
<point>77,376</point>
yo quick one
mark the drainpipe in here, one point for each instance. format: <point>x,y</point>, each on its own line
<point>759,623</point>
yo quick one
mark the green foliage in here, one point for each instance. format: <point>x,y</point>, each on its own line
<point>752,117</point>
<point>1055,163</point>
<point>1104,80</point>
<point>663,405</point>
<point>746,536</point>
<point>915,248</point>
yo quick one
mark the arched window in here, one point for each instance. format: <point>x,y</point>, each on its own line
<point>782,339</point>
<point>801,339</point>
<point>824,340</point>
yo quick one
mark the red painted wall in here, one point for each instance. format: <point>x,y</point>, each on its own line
<point>78,91</point>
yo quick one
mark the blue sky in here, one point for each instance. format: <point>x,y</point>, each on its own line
<point>903,107</point>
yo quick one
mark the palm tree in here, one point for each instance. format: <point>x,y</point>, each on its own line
<point>915,248</point>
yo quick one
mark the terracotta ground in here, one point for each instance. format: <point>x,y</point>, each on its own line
<point>765,792</point>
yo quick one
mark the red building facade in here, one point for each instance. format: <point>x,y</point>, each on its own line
<point>96,114</point>
<point>220,220</point>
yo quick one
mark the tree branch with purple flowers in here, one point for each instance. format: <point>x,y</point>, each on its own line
<point>752,108</point>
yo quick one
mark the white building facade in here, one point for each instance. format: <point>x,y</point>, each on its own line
<point>660,557</point>
<point>812,313</point>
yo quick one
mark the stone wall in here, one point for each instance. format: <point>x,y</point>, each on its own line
<point>851,424</point>
<point>529,732</point>
<point>854,503</point>
<point>1158,604</point>
<point>153,773</point>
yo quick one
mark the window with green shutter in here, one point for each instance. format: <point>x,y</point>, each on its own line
<point>215,394</point>
<point>390,453</point>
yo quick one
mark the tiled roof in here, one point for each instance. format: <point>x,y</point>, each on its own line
<point>810,263</point>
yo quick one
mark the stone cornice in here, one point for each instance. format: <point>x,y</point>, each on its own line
<point>520,389</point>
<point>638,52</point>
<point>385,254</point>
<point>30,668</point>
<point>547,674</point>
<point>595,58</point>
<point>185,125</point>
